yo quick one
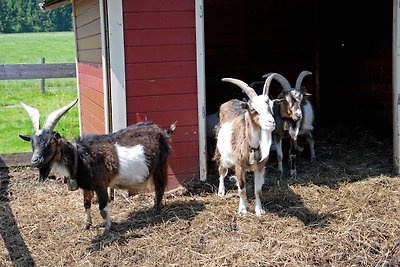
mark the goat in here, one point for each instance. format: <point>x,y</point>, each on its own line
<point>243,141</point>
<point>131,158</point>
<point>294,117</point>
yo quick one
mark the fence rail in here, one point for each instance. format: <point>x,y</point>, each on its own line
<point>15,159</point>
<point>37,71</point>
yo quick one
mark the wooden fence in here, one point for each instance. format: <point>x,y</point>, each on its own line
<point>37,71</point>
<point>32,71</point>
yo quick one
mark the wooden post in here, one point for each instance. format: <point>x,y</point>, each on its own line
<point>201,87</point>
<point>396,86</point>
<point>42,81</point>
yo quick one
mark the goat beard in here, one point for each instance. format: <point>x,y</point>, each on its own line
<point>265,144</point>
<point>294,130</point>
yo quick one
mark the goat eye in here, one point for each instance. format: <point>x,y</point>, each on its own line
<point>254,111</point>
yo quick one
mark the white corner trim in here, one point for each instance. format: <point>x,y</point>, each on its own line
<point>77,71</point>
<point>201,88</point>
<point>117,64</point>
<point>104,62</point>
<point>396,85</point>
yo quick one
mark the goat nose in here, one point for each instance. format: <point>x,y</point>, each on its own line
<point>35,163</point>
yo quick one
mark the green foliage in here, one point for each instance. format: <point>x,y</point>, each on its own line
<point>29,48</point>
<point>18,16</point>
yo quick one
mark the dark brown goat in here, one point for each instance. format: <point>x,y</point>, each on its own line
<point>132,158</point>
<point>294,116</point>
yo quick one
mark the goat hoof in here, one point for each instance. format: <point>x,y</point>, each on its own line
<point>242,212</point>
<point>221,193</point>
<point>87,226</point>
<point>293,174</point>
<point>107,226</point>
<point>313,159</point>
<point>72,184</point>
<point>260,212</point>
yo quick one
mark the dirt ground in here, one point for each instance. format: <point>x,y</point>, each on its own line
<point>342,210</point>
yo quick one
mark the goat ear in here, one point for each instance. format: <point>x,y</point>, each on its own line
<point>25,137</point>
<point>56,135</point>
<point>306,95</point>
<point>278,100</point>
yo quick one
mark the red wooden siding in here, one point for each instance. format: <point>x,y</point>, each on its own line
<point>90,73</point>
<point>161,85</point>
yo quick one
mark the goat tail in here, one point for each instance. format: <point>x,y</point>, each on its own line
<point>171,129</point>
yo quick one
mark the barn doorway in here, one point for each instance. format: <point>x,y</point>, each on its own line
<point>346,44</point>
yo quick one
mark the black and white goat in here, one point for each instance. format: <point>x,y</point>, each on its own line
<point>294,117</point>
<point>244,140</point>
<point>132,158</point>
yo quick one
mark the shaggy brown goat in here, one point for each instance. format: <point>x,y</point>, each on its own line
<point>132,158</point>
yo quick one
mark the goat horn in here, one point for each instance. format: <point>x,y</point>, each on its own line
<point>55,116</point>
<point>299,80</point>
<point>34,115</point>
<point>244,86</point>
<point>270,77</point>
<point>282,80</point>
<point>267,74</point>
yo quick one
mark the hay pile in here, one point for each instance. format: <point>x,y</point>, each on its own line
<point>341,211</point>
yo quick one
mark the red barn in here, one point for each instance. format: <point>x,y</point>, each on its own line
<point>139,60</point>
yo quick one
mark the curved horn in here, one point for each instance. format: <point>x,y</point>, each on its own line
<point>267,74</point>
<point>55,116</point>
<point>270,77</point>
<point>282,80</point>
<point>299,80</point>
<point>34,115</point>
<point>244,86</point>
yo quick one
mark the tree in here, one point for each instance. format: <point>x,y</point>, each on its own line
<point>26,16</point>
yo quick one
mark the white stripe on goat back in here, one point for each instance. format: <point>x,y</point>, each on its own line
<point>133,169</point>
<point>224,144</point>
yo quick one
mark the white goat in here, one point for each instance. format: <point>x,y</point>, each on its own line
<point>244,140</point>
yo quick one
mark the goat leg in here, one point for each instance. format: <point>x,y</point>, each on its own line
<point>292,158</point>
<point>223,172</point>
<point>160,184</point>
<point>310,141</point>
<point>258,183</point>
<point>241,183</point>
<point>87,203</point>
<point>279,156</point>
<point>102,197</point>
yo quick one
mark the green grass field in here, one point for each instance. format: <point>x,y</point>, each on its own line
<point>30,48</point>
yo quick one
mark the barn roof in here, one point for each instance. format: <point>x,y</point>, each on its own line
<point>47,5</point>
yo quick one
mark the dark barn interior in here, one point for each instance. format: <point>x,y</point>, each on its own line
<point>346,44</point>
